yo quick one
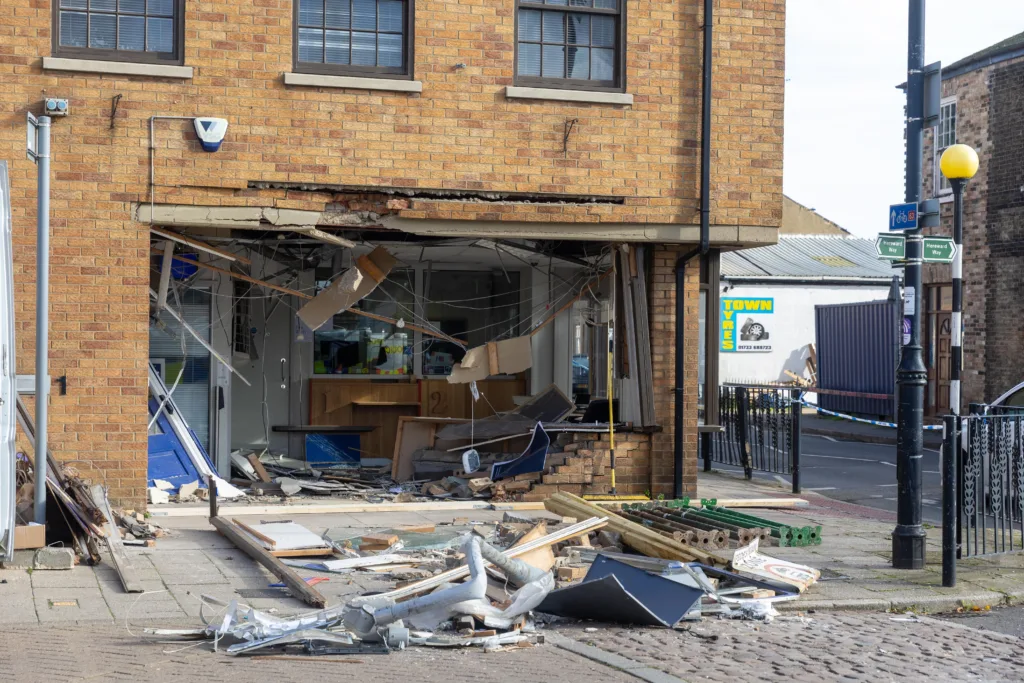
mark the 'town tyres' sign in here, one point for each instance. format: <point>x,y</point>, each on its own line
<point>747,325</point>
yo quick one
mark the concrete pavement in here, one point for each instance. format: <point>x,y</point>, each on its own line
<point>856,551</point>
<point>854,558</point>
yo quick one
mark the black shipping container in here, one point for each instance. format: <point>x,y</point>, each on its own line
<point>858,349</point>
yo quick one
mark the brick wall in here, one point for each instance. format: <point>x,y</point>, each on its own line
<point>583,466</point>
<point>460,133</point>
<point>663,326</point>
<point>1004,205</point>
<point>971,91</point>
<point>990,118</point>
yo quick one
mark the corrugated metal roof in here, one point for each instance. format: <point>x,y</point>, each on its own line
<point>809,257</point>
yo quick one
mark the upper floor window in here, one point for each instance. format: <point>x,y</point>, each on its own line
<point>945,136</point>
<point>574,44</point>
<point>354,37</point>
<point>120,30</point>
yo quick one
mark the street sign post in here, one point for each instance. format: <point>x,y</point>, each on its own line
<point>903,216</point>
<point>939,250</point>
<point>891,247</point>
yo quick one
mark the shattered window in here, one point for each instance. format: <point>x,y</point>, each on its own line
<point>353,344</point>
<point>473,306</point>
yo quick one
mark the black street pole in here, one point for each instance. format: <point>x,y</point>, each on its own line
<point>956,322</point>
<point>908,539</point>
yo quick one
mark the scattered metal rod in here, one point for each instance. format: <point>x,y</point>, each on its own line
<point>689,522</point>
<point>709,540</point>
<point>743,535</point>
<point>714,535</point>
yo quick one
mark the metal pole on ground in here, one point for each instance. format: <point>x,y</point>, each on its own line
<point>42,312</point>
<point>794,435</point>
<point>951,447</point>
<point>908,538</point>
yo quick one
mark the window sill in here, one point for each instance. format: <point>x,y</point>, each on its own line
<point>96,66</point>
<point>516,92</point>
<point>356,82</point>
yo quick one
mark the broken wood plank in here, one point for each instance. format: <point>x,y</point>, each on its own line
<point>303,552</point>
<point>122,562</point>
<point>246,278</point>
<point>541,558</point>
<point>249,530</point>
<point>257,466</point>
<point>379,539</point>
<point>417,528</point>
<point>572,573</point>
<point>250,547</point>
<point>196,244</point>
<point>166,266</point>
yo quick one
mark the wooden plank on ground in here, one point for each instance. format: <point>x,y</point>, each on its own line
<point>249,530</point>
<point>303,552</point>
<point>122,562</point>
<point>541,558</point>
<point>250,547</point>
<point>257,466</point>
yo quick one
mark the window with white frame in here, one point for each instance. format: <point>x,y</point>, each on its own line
<point>945,136</point>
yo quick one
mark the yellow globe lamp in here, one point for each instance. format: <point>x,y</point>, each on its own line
<point>959,162</point>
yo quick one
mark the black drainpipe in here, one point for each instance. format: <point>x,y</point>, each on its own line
<point>705,243</point>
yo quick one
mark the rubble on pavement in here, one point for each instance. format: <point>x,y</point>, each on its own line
<point>498,586</point>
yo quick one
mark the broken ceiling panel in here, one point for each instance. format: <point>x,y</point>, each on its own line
<point>505,357</point>
<point>348,289</point>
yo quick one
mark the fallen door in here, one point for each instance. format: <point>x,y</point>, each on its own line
<point>8,395</point>
<point>168,458</point>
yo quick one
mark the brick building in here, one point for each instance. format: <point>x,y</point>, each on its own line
<point>510,140</point>
<point>982,106</point>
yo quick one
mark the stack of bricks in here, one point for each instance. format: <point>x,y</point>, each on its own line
<point>584,466</point>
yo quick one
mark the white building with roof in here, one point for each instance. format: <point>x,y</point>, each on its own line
<point>768,294</point>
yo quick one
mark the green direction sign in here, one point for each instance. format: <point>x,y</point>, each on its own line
<point>939,250</point>
<point>891,247</point>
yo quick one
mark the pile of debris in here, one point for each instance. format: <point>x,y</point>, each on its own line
<point>268,474</point>
<point>75,517</point>
<point>604,568</point>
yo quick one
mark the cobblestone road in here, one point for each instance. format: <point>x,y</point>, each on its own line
<point>104,652</point>
<point>846,647</point>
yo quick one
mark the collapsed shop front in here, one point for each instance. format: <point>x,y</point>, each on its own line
<point>397,353</point>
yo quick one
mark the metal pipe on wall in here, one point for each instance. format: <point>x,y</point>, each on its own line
<point>42,314</point>
<point>705,134</point>
<point>705,243</point>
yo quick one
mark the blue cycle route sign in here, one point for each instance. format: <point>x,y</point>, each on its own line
<point>903,216</point>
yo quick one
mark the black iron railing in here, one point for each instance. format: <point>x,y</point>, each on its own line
<point>759,430</point>
<point>983,486</point>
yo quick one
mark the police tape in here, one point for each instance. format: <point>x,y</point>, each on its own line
<point>877,423</point>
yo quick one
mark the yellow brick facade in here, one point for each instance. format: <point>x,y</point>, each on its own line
<point>461,133</point>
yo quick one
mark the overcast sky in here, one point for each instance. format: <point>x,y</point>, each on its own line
<point>844,128</point>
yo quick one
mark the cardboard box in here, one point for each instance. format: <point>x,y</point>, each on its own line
<point>29,537</point>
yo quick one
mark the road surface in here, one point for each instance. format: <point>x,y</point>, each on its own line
<point>861,473</point>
